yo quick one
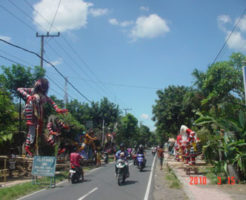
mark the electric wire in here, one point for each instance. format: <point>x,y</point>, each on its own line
<point>55,15</point>
<point>18,63</point>
<point>228,37</point>
<point>68,44</point>
<point>34,53</point>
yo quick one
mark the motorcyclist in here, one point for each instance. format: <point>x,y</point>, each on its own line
<point>122,154</point>
<point>75,160</point>
<point>141,151</point>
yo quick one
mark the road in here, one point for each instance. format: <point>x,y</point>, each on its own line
<point>101,184</point>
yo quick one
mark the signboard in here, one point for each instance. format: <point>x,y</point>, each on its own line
<point>44,166</point>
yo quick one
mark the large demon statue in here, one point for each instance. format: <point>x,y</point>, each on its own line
<point>35,98</point>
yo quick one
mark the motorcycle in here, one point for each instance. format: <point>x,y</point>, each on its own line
<point>140,161</point>
<point>121,171</point>
<point>74,175</point>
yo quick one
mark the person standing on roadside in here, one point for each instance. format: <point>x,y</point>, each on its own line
<point>160,154</point>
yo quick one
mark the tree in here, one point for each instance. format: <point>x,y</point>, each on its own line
<point>128,129</point>
<point>19,76</point>
<point>144,135</point>
<point>8,117</point>
<point>172,109</point>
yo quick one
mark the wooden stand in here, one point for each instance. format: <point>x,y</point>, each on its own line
<point>189,168</point>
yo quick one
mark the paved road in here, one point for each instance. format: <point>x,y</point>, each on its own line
<point>101,184</point>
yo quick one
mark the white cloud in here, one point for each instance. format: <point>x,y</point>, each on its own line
<point>8,39</point>
<point>145,116</point>
<point>149,27</point>
<point>242,23</point>
<point>143,8</point>
<point>98,12</point>
<point>126,23</point>
<point>115,22</point>
<point>222,21</point>
<point>236,41</point>
<point>57,62</point>
<point>72,14</point>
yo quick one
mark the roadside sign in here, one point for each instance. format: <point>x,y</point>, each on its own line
<point>44,166</point>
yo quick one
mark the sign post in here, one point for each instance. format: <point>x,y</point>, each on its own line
<point>44,166</point>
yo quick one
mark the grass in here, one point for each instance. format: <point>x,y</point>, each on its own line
<point>173,181</point>
<point>23,189</point>
<point>19,190</point>
<point>208,172</point>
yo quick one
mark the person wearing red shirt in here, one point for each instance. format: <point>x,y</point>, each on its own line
<point>75,159</point>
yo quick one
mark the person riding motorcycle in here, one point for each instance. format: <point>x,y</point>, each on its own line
<point>141,151</point>
<point>122,154</point>
<point>75,159</point>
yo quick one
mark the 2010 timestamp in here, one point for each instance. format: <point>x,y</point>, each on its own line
<point>202,180</point>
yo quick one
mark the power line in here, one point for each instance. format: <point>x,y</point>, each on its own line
<point>55,15</point>
<point>5,9</point>
<point>81,59</point>
<point>42,44</point>
<point>223,46</point>
<point>67,53</point>
<point>48,63</point>
<point>13,61</point>
<point>124,85</point>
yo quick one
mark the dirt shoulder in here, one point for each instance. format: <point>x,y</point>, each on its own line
<point>204,190</point>
<point>162,188</point>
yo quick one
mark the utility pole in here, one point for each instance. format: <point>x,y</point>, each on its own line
<point>66,95</point>
<point>103,133</point>
<point>126,109</point>
<point>244,78</point>
<point>42,44</point>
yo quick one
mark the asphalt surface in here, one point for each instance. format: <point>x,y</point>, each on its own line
<point>101,184</point>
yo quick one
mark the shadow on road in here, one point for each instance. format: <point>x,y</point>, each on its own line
<point>129,182</point>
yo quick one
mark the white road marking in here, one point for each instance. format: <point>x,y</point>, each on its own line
<point>30,194</point>
<point>150,179</point>
<point>81,198</point>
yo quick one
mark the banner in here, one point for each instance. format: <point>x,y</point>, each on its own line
<point>44,166</point>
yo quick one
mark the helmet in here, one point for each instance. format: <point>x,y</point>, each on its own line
<point>140,146</point>
<point>122,145</point>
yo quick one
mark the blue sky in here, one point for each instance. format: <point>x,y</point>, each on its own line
<point>122,49</point>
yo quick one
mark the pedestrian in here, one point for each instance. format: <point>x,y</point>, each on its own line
<point>160,154</point>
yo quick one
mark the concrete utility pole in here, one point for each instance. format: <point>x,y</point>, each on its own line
<point>66,95</point>
<point>103,132</point>
<point>126,109</point>
<point>42,44</point>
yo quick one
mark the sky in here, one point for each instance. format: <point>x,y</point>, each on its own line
<point>124,50</point>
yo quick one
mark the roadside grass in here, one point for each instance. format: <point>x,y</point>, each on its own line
<point>16,191</point>
<point>208,172</point>
<point>171,178</point>
<point>22,189</point>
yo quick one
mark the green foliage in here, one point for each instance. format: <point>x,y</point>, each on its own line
<point>19,76</point>
<point>174,107</point>
<point>95,112</point>
<point>8,118</point>
<point>127,130</point>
